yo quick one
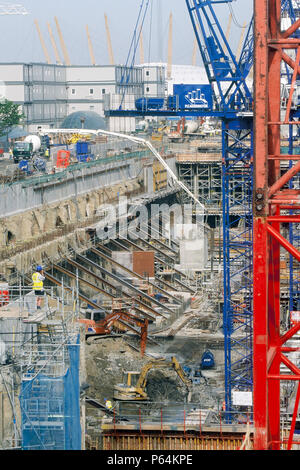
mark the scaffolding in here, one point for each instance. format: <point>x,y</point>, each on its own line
<point>43,354</point>
<point>237,255</point>
<point>204,179</point>
<point>49,397</point>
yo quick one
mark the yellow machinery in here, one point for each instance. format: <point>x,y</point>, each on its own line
<point>164,129</point>
<point>134,384</point>
<point>78,137</point>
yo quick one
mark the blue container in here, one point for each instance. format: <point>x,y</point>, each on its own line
<point>149,104</point>
<point>85,158</point>
<point>82,148</point>
<point>172,102</point>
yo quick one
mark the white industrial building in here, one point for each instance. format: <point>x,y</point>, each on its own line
<point>49,93</point>
<point>185,74</point>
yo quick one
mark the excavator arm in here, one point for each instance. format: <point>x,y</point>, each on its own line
<point>104,327</point>
<point>138,392</point>
<point>161,364</point>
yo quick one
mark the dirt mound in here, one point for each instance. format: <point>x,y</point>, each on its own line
<point>161,387</point>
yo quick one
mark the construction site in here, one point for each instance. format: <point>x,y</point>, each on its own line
<point>150,236</point>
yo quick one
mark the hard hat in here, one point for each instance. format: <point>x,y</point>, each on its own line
<point>39,268</point>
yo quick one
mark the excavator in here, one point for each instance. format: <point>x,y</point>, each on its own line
<point>134,386</point>
<point>96,325</point>
<point>178,135</point>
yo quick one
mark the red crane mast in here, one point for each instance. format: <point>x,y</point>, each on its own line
<point>273,205</point>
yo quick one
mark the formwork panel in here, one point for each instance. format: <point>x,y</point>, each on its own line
<point>154,442</point>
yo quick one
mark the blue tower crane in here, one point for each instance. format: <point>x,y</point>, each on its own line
<point>226,76</point>
<point>232,102</point>
<point>233,98</point>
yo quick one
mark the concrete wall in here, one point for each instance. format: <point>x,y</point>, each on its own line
<point>44,219</point>
<point>14,92</point>
<point>18,198</point>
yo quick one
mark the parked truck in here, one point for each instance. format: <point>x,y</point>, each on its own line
<point>26,149</point>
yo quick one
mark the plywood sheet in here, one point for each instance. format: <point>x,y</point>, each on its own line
<point>143,263</point>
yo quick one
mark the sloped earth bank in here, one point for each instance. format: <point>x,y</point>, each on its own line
<point>108,358</point>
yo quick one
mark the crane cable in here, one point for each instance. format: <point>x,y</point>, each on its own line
<point>150,33</point>
<point>235,19</point>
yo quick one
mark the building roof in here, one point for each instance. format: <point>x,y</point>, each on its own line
<point>84,120</point>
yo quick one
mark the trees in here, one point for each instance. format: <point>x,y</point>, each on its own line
<point>10,115</point>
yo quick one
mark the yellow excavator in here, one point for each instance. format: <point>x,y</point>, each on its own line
<point>134,385</point>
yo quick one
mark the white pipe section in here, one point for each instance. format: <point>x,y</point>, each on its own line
<point>137,140</point>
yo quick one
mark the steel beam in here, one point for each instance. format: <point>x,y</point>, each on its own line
<point>126,284</point>
<point>132,273</point>
<point>104,292</point>
<point>80,296</point>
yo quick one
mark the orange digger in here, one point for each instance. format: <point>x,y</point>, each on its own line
<point>99,325</point>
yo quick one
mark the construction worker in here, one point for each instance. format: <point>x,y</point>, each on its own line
<point>108,404</point>
<point>224,406</point>
<point>38,285</point>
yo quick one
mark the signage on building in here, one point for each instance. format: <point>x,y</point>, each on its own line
<point>242,398</point>
<point>295,317</point>
<point>195,96</point>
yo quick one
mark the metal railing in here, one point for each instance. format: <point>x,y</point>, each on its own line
<point>187,416</point>
<point>190,417</point>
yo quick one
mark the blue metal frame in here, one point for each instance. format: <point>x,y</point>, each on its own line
<point>219,61</point>
<point>232,95</point>
<point>288,7</point>
<point>246,58</point>
<point>237,253</point>
<point>233,104</point>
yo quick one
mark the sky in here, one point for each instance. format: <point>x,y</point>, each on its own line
<point>20,41</point>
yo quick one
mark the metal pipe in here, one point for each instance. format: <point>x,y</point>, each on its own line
<point>284,179</point>
<point>283,242</point>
